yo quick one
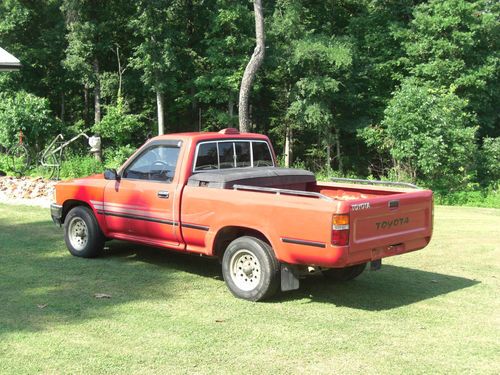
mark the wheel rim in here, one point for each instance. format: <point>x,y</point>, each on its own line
<point>78,233</point>
<point>245,270</point>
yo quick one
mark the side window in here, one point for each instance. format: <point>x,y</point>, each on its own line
<point>157,163</point>
<point>261,155</point>
<point>226,155</point>
<point>207,157</point>
<point>243,157</point>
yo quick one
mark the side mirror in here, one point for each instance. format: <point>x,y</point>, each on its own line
<point>111,174</point>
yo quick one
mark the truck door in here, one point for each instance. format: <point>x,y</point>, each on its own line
<point>142,203</point>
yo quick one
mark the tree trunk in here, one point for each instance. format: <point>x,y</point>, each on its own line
<point>86,105</point>
<point>63,109</point>
<point>230,108</point>
<point>339,156</point>
<point>252,67</point>
<point>159,105</point>
<point>288,146</point>
<point>97,93</point>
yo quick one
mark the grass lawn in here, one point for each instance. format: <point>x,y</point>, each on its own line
<point>432,311</point>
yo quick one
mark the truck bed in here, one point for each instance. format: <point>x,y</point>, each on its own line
<point>288,179</point>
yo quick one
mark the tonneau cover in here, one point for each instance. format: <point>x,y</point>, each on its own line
<point>264,177</point>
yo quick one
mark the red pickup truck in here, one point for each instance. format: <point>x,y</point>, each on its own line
<point>221,195</point>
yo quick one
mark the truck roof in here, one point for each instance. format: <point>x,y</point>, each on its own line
<point>228,133</point>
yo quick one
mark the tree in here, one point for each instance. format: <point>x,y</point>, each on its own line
<point>428,134</point>
<point>221,62</point>
<point>456,43</point>
<point>34,32</point>
<point>252,68</point>
<point>26,112</point>
<point>156,54</point>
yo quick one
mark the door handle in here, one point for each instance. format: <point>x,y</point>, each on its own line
<point>163,194</point>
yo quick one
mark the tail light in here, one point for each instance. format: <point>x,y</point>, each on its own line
<point>340,230</point>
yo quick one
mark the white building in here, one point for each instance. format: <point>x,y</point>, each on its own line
<point>8,62</point>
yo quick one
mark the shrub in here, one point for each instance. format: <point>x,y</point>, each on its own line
<point>26,112</point>
<point>80,166</point>
<point>115,157</point>
<point>428,134</point>
<point>489,161</point>
<point>119,127</point>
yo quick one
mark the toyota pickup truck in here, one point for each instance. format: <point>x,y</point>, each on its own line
<point>221,195</point>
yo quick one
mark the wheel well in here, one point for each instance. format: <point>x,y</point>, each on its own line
<point>228,234</point>
<point>69,204</point>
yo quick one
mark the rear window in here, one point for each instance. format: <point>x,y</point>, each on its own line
<point>232,154</point>
<point>226,155</point>
<point>207,157</point>
<point>261,155</point>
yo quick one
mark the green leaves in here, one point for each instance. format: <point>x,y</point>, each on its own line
<point>429,135</point>
<point>26,112</point>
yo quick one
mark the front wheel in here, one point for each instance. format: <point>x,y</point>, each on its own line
<point>82,234</point>
<point>344,274</point>
<point>250,269</point>
<point>18,159</point>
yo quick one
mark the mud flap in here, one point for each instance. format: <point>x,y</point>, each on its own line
<point>375,265</point>
<point>289,280</point>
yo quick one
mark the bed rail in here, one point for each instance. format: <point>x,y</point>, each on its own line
<point>375,182</point>
<point>283,191</point>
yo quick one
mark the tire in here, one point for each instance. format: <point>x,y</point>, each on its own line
<point>82,234</point>
<point>344,274</point>
<point>50,167</point>
<point>18,159</point>
<point>250,269</point>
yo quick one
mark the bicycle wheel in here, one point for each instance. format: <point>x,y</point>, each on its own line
<point>49,166</point>
<point>18,159</point>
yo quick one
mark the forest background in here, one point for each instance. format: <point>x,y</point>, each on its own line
<point>405,90</point>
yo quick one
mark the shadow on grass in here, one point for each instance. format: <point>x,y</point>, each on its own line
<point>41,285</point>
<point>388,288</point>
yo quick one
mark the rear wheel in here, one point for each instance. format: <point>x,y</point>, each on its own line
<point>18,159</point>
<point>250,269</point>
<point>344,274</point>
<point>82,234</point>
<point>49,166</point>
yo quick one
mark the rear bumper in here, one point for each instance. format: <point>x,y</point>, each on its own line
<point>56,213</point>
<point>341,256</point>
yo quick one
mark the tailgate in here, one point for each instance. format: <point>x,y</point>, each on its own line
<point>390,220</point>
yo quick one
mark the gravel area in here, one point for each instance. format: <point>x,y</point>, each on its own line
<point>26,191</point>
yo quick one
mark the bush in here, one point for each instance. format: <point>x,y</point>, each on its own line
<point>80,166</point>
<point>119,127</point>
<point>115,157</point>
<point>26,112</point>
<point>489,161</point>
<point>481,198</point>
<point>428,134</point>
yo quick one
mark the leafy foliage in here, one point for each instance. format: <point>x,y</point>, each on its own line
<point>76,166</point>
<point>428,134</point>
<point>26,112</point>
<point>489,161</point>
<point>118,127</point>
<point>419,79</point>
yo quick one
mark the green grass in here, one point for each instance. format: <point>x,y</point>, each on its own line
<point>432,311</point>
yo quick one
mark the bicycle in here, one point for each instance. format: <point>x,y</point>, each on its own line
<point>18,156</point>
<point>50,158</point>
